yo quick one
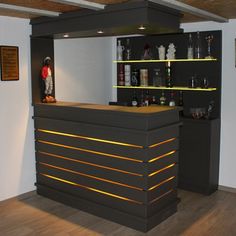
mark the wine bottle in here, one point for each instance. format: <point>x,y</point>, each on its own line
<point>172,100</point>
<point>198,47</point>
<point>190,47</point>
<point>162,99</point>
<point>134,100</point>
<point>169,79</point>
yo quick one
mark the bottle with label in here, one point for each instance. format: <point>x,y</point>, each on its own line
<point>127,50</point>
<point>172,100</point>
<point>120,50</point>
<point>169,79</point>
<point>134,100</point>
<point>198,47</point>
<point>135,80</point>
<point>163,99</point>
<point>121,76</point>
<point>190,47</point>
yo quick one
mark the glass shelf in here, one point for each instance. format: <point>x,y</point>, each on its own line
<point>166,88</point>
<point>159,61</point>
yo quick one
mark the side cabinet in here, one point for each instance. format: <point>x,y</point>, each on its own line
<point>199,155</point>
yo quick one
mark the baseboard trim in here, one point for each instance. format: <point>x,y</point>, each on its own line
<point>19,197</point>
<point>227,189</point>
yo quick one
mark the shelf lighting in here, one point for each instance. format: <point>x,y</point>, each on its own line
<point>100,32</point>
<point>66,36</point>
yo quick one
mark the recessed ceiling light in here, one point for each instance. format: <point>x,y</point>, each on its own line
<point>66,35</point>
<point>141,27</point>
<point>100,32</point>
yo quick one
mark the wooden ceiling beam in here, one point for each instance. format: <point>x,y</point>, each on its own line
<point>189,9</point>
<point>33,11</point>
<point>82,3</point>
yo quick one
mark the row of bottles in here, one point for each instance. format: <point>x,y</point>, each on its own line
<point>141,77</point>
<point>194,49</point>
<point>147,100</point>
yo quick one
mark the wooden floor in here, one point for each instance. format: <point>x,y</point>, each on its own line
<point>197,215</point>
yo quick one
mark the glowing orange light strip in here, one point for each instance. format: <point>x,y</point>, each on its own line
<point>90,176</point>
<point>163,195</point>
<point>90,151</point>
<point>158,171</point>
<point>90,138</point>
<point>91,164</point>
<point>159,157</point>
<point>157,144</point>
<point>161,183</point>
<point>89,188</point>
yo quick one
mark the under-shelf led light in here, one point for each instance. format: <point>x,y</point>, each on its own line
<point>100,32</point>
<point>66,36</point>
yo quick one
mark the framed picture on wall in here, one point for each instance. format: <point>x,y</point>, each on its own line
<point>9,60</point>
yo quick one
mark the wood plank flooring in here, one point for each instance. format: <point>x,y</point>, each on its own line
<point>197,215</point>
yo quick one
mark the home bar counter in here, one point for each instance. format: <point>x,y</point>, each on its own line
<point>120,163</point>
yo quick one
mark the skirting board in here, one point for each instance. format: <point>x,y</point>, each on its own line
<point>111,214</point>
<point>19,197</point>
<point>227,189</point>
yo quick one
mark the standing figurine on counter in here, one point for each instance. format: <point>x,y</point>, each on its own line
<point>47,78</point>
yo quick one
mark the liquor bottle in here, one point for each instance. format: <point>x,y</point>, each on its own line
<point>121,77</point>
<point>172,100</point>
<point>153,100</point>
<point>135,80</point>
<point>162,99</point>
<point>169,79</point>
<point>190,47</point>
<point>142,101</point>
<point>147,99</point>
<point>198,47</point>
<point>127,50</point>
<point>181,100</point>
<point>134,100</point>
<point>120,50</point>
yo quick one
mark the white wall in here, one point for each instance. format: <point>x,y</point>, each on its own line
<point>228,113</point>
<point>83,70</point>
<point>17,160</point>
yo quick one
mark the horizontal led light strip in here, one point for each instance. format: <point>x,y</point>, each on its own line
<point>158,171</point>
<point>164,155</point>
<point>90,151</point>
<point>163,195</point>
<point>89,138</point>
<point>91,164</point>
<point>166,141</point>
<point>161,183</point>
<point>91,189</point>
<point>90,176</point>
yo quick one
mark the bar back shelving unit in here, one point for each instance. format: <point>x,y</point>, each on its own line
<point>199,138</point>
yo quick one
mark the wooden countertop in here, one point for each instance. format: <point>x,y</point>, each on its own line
<point>140,110</point>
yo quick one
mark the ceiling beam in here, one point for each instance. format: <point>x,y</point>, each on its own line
<point>192,10</point>
<point>82,3</point>
<point>29,10</point>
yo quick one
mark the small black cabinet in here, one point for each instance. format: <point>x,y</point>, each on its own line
<point>199,155</point>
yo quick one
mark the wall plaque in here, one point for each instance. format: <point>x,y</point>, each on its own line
<point>9,63</point>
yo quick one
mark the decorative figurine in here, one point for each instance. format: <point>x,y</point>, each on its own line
<point>147,55</point>
<point>46,74</point>
<point>209,40</point>
<point>170,55</point>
